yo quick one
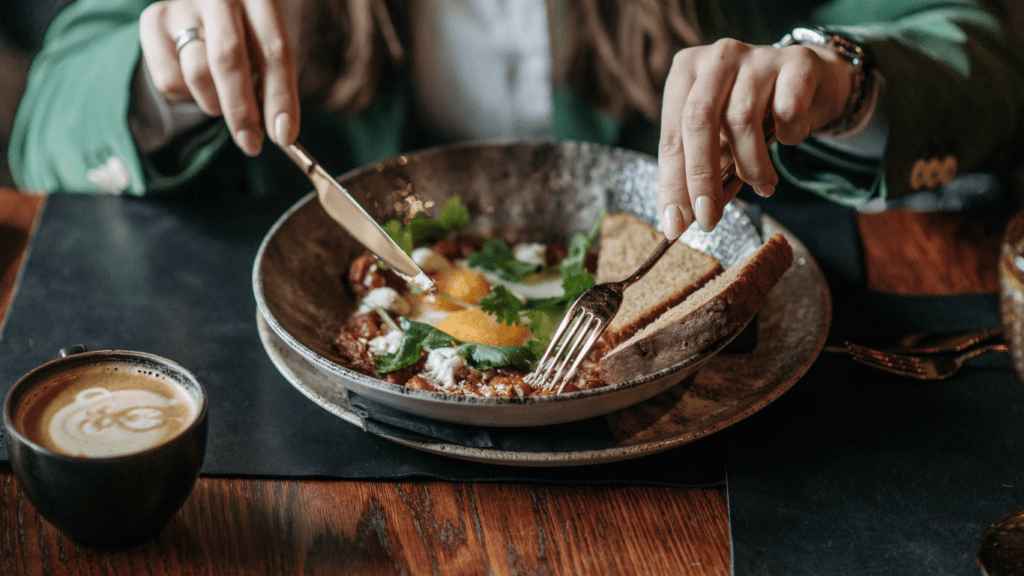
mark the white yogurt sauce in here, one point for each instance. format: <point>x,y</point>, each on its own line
<point>387,298</point>
<point>386,344</point>
<point>442,364</point>
<point>430,261</point>
<point>530,252</point>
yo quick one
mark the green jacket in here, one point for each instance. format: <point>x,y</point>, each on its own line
<point>955,88</point>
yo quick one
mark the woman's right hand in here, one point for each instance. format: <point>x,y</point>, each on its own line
<point>240,67</point>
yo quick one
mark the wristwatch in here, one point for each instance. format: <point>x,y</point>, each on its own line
<point>859,58</point>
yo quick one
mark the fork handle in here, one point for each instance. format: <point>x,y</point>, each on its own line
<point>973,352</point>
<point>649,263</point>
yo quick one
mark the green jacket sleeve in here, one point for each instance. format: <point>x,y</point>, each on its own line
<point>954,90</point>
<point>71,130</point>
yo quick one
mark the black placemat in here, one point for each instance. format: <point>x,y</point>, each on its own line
<point>856,471</point>
<point>172,277</point>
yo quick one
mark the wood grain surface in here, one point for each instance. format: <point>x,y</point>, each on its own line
<point>930,253</point>
<point>239,526</point>
<point>282,526</point>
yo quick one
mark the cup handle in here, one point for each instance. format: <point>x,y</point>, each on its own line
<point>76,349</point>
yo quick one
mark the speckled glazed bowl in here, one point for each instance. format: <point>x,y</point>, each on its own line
<point>538,191</point>
<point>1011,292</point>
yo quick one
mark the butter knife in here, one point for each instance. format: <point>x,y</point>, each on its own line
<point>343,208</point>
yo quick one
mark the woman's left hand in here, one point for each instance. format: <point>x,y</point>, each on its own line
<point>716,100</point>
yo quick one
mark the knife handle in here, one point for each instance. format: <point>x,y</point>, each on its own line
<point>301,157</point>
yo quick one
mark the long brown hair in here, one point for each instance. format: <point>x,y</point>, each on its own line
<point>344,50</point>
<point>617,53</point>
<point>620,53</point>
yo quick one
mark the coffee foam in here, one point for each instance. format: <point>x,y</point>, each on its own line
<point>107,409</point>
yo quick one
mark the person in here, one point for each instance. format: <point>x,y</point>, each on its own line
<point>884,100</point>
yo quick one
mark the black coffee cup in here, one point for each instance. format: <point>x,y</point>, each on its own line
<point>108,501</point>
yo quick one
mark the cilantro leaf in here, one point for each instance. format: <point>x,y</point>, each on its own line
<point>575,278</point>
<point>419,336</point>
<point>542,323</point>
<point>485,357</point>
<point>575,286</point>
<point>503,305</point>
<point>454,215</point>
<point>423,229</point>
<point>429,337</point>
<point>407,354</point>
<point>497,257</point>
<point>401,236</point>
<point>575,260</point>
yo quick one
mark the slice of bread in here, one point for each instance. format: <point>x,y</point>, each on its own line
<point>626,241</point>
<point>722,306</point>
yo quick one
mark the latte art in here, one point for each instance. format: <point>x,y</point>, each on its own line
<point>103,410</point>
<point>105,423</point>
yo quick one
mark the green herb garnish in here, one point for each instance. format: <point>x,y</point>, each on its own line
<point>503,305</point>
<point>542,314</point>
<point>485,357</point>
<point>419,336</point>
<point>498,258</point>
<point>423,229</point>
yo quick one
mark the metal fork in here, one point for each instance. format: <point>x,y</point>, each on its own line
<point>930,367</point>
<point>583,324</point>
<point>934,342</point>
<point>588,317</point>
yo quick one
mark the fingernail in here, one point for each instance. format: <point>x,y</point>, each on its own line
<point>672,221</point>
<point>282,128</point>
<point>765,190</point>
<point>705,212</point>
<point>249,142</point>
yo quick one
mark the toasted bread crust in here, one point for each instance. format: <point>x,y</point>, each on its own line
<point>722,306</point>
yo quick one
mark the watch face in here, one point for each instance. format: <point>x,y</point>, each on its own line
<point>840,44</point>
<point>812,35</point>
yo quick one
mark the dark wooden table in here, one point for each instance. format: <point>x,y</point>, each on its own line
<point>281,526</point>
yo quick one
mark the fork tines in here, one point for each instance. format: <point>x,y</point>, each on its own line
<point>901,364</point>
<point>569,347</point>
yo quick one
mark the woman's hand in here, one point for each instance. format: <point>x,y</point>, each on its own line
<point>716,100</point>
<point>240,67</point>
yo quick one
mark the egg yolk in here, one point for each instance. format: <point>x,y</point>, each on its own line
<point>482,328</point>
<point>466,285</point>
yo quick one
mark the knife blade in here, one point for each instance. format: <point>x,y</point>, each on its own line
<point>346,211</point>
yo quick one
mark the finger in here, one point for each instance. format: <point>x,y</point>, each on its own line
<point>192,61</point>
<point>280,80</point>
<point>673,198</point>
<point>227,53</point>
<point>795,87</point>
<point>732,188</point>
<point>744,119</point>
<point>158,54</point>
<point>701,128</point>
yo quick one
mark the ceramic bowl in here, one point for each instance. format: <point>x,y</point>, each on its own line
<point>541,191</point>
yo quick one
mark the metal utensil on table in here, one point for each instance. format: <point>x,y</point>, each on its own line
<point>921,367</point>
<point>344,209</point>
<point>592,312</point>
<point>941,342</point>
<point>935,342</point>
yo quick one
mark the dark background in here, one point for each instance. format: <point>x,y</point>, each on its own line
<point>23,24</point>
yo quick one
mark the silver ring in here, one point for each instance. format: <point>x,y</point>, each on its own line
<point>185,36</point>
